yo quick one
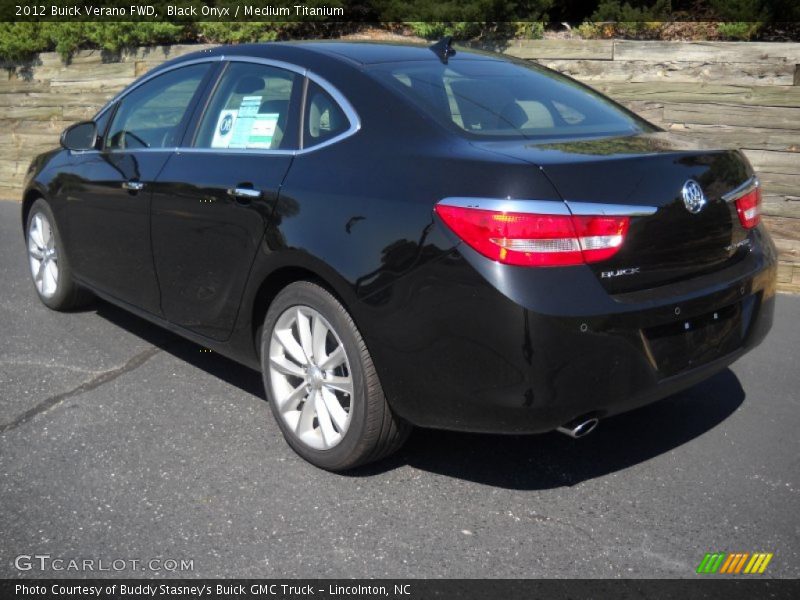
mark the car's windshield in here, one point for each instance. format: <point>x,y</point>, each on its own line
<point>502,100</point>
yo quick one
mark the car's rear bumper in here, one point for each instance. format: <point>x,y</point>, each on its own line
<point>471,345</point>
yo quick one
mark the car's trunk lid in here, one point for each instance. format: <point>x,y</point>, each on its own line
<point>649,170</point>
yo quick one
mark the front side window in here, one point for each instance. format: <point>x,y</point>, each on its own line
<point>324,118</point>
<point>250,109</point>
<point>150,116</point>
<point>101,121</point>
<point>496,99</point>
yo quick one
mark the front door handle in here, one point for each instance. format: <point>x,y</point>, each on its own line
<point>133,186</point>
<point>244,193</point>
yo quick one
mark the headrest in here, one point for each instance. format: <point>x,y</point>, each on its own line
<point>248,85</point>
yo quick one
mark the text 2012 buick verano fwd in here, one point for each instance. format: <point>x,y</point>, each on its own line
<point>399,235</point>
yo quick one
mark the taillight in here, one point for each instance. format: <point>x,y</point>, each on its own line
<point>536,240</point>
<point>749,208</point>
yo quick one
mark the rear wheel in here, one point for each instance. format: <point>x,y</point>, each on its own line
<point>321,383</point>
<point>50,269</point>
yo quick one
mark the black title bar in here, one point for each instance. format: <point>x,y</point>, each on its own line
<point>710,588</point>
<point>384,11</point>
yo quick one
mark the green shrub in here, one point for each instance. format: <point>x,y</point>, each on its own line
<point>116,36</point>
<point>624,29</point>
<point>739,30</point>
<point>612,18</point>
<point>589,31</point>
<point>237,33</point>
<point>530,30</point>
<point>434,30</point>
<point>464,30</point>
<point>20,40</point>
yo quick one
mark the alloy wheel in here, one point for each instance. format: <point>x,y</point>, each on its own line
<point>311,379</point>
<point>43,255</point>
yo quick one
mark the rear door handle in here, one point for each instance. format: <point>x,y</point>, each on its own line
<point>133,186</point>
<point>244,193</point>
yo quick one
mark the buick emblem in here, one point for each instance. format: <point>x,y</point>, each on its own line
<point>693,197</point>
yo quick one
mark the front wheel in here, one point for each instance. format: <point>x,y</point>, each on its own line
<point>50,269</point>
<point>321,384</point>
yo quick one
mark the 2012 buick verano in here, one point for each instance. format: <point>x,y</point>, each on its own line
<point>400,235</point>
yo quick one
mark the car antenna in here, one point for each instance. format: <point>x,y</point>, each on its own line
<point>444,49</point>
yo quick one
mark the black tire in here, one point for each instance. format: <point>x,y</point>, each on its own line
<point>374,431</point>
<point>68,295</point>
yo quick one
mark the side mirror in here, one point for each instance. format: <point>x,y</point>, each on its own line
<point>80,136</point>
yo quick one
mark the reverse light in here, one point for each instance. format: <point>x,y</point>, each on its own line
<point>749,208</point>
<point>536,240</point>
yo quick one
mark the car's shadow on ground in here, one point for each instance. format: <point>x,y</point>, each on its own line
<point>555,460</point>
<point>215,364</point>
<point>516,462</point>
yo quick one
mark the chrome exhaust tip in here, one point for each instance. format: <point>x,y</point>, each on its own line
<point>579,427</point>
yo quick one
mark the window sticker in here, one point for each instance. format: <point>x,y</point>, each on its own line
<point>245,127</point>
<point>248,109</point>
<point>262,130</point>
<point>224,130</point>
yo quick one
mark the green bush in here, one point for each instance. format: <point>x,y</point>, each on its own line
<point>739,30</point>
<point>623,29</point>
<point>612,18</point>
<point>20,40</point>
<point>438,29</point>
<point>529,30</point>
<point>237,33</point>
<point>465,30</point>
<point>264,31</point>
<point>116,36</point>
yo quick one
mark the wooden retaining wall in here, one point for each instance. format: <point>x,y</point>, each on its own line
<point>733,94</point>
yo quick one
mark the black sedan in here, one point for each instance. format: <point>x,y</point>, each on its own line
<point>401,235</point>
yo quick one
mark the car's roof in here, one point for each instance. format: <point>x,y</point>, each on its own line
<point>371,52</point>
<point>359,53</point>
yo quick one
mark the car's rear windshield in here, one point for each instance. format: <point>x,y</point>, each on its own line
<point>502,100</point>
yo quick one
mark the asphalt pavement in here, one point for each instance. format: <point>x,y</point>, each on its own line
<point>121,441</point>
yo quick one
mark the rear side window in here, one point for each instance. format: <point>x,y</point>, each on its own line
<point>150,116</point>
<point>324,118</point>
<point>250,109</point>
<point>496,99</point>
